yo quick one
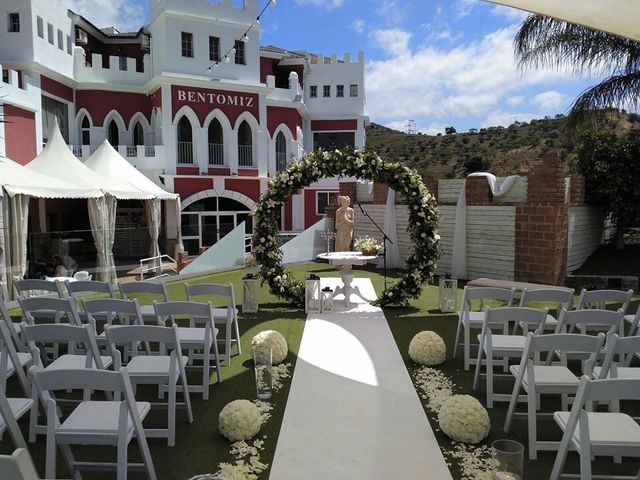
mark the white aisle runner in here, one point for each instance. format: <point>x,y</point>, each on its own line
<point>352,411</point>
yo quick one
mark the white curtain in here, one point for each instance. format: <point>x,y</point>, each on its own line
<point>17,225</point>
<point>459,257</point>
<point>177,205</point>
<point>102,216</point>
<point>390,222</point>
<point>152,213</point>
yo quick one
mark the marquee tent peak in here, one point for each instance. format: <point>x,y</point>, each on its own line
<point>618,17</point>
<point>109,164</point>
<point>17,180</point>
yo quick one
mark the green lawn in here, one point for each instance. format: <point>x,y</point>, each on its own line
<point>199,446</point>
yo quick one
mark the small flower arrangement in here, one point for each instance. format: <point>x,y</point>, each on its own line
<point>427,348</point>
<point>240,420</point>
<point>464,419</point>
<point>273,340</point>
<point>367,245</point>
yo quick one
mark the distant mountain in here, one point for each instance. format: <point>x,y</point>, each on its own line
<point>500,150</point>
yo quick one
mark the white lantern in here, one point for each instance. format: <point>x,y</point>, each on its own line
<point>327,300</point>
<point>448,293</point>
<point>312,297</point>
<point>249,294</point>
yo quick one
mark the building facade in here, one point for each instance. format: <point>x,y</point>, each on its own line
<point>189,100</point>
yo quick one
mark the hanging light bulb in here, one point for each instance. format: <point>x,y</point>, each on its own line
<point>245,38</point>
<point>273,3</point>
<point>232,51</point>
<point>227,59</point>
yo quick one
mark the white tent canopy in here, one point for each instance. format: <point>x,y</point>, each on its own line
<point>619,17</point>
<point>20,184</point>
<point>115,169</point>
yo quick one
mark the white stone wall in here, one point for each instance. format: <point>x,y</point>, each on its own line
<point>585,234</point>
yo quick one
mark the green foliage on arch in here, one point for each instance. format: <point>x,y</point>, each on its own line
<point>423,219</point>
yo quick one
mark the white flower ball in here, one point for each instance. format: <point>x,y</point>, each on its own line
<point>239,420</point>
<point>274,340</point>
<point>464,419</point>
<point>427,348</point>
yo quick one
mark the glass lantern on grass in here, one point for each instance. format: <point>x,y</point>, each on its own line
<point>327,300</point>
<point>263,366</point>
<point>249,293</point>
<point>312,296</point>
<point>448,294</point>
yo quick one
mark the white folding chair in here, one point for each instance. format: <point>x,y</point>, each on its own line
<point>500,347</point>
<point>12,361</point>
<point>625,349</point>
<point>158,292</point>
<point>15,328</point>
<point>198,340</point>
<point>106,310</point>
<point>11,410</point>
<point>537,378</point>
<point>546,298</point>
<point>34,287</point>
<point>81,290</point>
<point>164,367</point>
<point>93,422</point>
<point>634,322</point>
<point>594,434</point>
<point>599,299</point>
<point>18,466</point>
<point>468,319</point>
<point>43,308</point>
<point>226,315</point>
<point>82,275</point>
<point>85,357</point>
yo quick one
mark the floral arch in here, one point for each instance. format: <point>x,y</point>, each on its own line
<point>423,219</point>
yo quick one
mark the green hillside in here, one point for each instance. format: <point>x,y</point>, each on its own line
<point>500,150</point>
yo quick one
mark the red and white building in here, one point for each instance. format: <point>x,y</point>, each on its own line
<point>213,135</point>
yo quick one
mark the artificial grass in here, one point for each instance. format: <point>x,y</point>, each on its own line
<point>200,448</point>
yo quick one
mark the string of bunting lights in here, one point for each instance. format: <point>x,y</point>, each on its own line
<point>245,37</point>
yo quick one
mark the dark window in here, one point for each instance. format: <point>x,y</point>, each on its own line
<point>86,131</point>
<point>214,49</point>
<point>138,134</point>
<point>185,141</point>
<point>187,44</point>
<point>69,45</point>
<point>353,90</point>
<point>332,140</point>
<point>313,91</point>
<point>60,40</point>
<point>326,90</point>
<point>113,134</point>
<point>123,64</point>
<point>340,91</point>
<point>245,145</point>
<point>216,143</point>
<point>40,23</point>
<point>239,46</point>
<point>281,152</point>
<point>50,33</point>
<point>14,22</point>
<point>323,200</point>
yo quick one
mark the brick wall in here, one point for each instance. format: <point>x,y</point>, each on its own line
<point>477,191</point>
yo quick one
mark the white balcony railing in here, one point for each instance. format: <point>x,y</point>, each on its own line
<point>281,161</point>
<point>245,155</point>
<point>216,154</point>
<point>185,153</point>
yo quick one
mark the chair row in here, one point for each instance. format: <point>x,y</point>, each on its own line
<point>468,318</point>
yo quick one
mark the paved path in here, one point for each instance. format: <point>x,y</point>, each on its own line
<point>353,412</point>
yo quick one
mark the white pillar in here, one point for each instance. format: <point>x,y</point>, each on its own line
<point>232,151</point>
<point>201,148</point>
<point>297,204</point>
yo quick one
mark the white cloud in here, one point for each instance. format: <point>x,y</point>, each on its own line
<point>463,7</point>
<point>392,12</point>
<point>515,100</point>
<point>394,41</point>
<point>549,101</point>
<point>511,14</point>
<point>329,4</point>
<point>358,25</point>
<point>123,14</point>
<point>500,117</point>
<point>444,84</point>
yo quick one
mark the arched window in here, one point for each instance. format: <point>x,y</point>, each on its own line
<point>86,131</point>
<point>245,145</point>
<point>138,134</point>
<point>216,143</point>
<point>113,134</point>
<point>185,141</point>
<point>281,152</point>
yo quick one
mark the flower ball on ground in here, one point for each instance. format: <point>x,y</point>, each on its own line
<point>274,340</point>
<point>239,420</point>
<point>427,348</point>
<point>464,419</point>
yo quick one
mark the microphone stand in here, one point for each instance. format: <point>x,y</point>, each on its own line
<point>385,239</point>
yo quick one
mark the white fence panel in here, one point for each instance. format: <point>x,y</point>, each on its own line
<point>584,235</point>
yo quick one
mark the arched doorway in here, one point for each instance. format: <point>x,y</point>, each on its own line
<point>185,141</point>
<point>138,134</point>
<point>245,145</point>
<point>281,152</point>
<point>216,143</point>
<point>85,127</point>
<point>208,220</point>
<point>113,134</point>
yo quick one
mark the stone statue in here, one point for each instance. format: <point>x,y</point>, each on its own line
<point>344,225</point>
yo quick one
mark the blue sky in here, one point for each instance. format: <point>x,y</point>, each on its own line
<point>439,63</point>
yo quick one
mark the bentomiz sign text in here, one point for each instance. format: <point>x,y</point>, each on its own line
<point>236,100</point>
